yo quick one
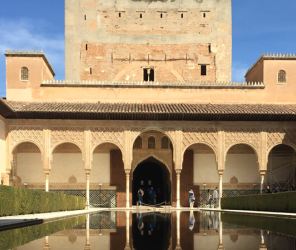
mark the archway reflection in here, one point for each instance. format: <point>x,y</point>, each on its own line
<point>187,230</point>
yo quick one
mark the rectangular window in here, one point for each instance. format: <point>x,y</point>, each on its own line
<point>203,70</point>
<point>148,75</point>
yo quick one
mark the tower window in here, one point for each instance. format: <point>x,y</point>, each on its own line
<point>148,75</point>
<point>140,15</point>
<point>85,46</point>
<point>181,15</point>
<point>138,142</point>
<point>24,74</point>
<point>119,14</point>
<point>90,71</point>
<point>282,76</point>
<point>203,70</point>
<point>210,48</point>
<point>204,15</point>
<point>151,142</point>
<point>84,17</point>
<point>161,15</point>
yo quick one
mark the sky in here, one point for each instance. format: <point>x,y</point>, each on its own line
<point>259,26</point>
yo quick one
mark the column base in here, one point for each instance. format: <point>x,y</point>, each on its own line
<point>178,247</point>
<point>221,247</point>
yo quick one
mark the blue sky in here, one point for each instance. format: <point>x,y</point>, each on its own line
<point>258,26</point>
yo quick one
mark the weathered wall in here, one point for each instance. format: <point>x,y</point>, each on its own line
<point>38,71</point>
<point>122,62</point>
<point>100,172</point>
<point>98,22</point>
<point>2,149</point>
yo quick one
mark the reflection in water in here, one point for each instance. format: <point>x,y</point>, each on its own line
<point>161,231</point>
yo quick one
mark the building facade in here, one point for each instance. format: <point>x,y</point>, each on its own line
<point>110,128</point>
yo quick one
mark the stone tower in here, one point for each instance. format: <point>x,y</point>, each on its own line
<point>148,40</point>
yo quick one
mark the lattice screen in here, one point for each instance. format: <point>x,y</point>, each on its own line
<point>101,220</point>
<point>226,193</point>
<point>97,198</point>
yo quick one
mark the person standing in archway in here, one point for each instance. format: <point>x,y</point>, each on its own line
<point>152,196</point>
<point>191,198</point>
<point>140,196</point>
<point>216,197</point>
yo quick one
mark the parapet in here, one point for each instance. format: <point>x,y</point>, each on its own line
<point>28,53</point>
<point>233,85</point>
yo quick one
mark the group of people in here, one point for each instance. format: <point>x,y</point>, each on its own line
<point>276,190</point>
<point>151,196</point>
<point>211,197</point>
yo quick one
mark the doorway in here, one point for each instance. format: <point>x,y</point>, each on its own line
<point>152,173</point>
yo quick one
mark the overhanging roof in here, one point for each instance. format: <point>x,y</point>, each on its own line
<point>150,111</point>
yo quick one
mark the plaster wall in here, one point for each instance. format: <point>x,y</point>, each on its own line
<point>98,22</point>
<point>242,166</point>
<point>2,148</point>
<point>30,168</point>
<point>38,71</point>
<point>65,165</point>
<point>100,172</point>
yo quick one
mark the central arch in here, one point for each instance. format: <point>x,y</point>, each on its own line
<point>152,173</point>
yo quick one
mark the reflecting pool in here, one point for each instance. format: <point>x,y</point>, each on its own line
<point>156,231</point>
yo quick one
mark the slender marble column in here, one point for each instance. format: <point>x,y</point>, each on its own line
<point>178,246</point>
<point>178,172</point>
<point>262,173</point>
<point>220,247</point>
<point>46,245</point>
<point>87,245</point>
<point>220,187</point>
<point>87,190</point>
<point>46,181</point>
<point>127,175</point>
<point>127,240</point>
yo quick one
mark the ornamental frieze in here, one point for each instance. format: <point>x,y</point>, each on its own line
<point>200,135</point>
<point>19,134</point>
<point>250,136</point>
<point>279,136</point>
<point>106,134</point>
<point>67,134</point>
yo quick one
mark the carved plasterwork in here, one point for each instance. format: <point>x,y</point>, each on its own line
<point>72,180</point>
<point>248,136</point>
<point>200,135</point>
<point>281,136</point>
<point>67,134</point>
<point>20,134</point>
<point>107,134</point>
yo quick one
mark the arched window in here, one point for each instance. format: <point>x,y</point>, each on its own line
<point>164,142</point>
<point>282,76</point>
<point>138,142</point>
<point>24,74</point>
<point>151,142</point>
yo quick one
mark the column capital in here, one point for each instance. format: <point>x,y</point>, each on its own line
<point>46,171</point>
<point>263,172</point>
<point>220,172</point>
<point>87,171</point>
<point>178,171</point>
<point>127,171</point>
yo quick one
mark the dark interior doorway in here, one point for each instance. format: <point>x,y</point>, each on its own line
<point>152,173</point>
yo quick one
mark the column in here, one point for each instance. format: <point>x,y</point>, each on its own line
<point>262,245</point>
<point>46,180</point>
<point>127,176</point>
<point>178,246</point>
<point>46,245</point>
<point>87,245</point>
<point>87,173</point>
<point>220,187</point>
<point>262,173</point>
<point>220,247</point>
<point>6,181</point>
<point>127,244</point>
<point>178,172</point>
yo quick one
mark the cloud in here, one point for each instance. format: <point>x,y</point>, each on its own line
<point>24,34</point>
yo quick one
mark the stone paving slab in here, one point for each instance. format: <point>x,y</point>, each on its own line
<point>15,221</point>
